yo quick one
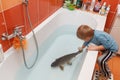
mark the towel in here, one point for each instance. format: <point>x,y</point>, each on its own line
<point>17,44</point>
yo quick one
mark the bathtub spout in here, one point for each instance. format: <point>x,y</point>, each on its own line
<point>5,36</point>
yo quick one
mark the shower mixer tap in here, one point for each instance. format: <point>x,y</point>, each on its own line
<point>16,32</point>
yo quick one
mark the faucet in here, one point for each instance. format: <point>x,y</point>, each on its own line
<point>16,32</point>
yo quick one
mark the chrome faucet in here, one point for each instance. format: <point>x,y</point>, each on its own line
<point>16,32</point>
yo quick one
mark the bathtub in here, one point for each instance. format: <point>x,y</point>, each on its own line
<point>56,37</point>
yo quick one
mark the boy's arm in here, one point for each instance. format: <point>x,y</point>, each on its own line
<point>81,48</point>
<point>96,48</point>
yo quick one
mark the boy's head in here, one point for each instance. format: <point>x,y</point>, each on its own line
<point>85,32</point>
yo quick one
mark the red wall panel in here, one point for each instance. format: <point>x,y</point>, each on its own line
<point>2,30</point>
<point>39,10</point>
<point>52,6</point>
<point>14,17</point>
<point>43,10</point>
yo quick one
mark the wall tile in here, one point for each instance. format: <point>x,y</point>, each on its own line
<point>5,44</point>
<point>10,3</point>
<point>52,6</point>
<point>109,21</point>
<point>14,17</point>
<point>59,3</point>
<point>43,10</point>
<point>15,14</point>
<point>33,11</point>
<point>0,7</point>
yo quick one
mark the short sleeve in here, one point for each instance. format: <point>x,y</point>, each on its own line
<point>105,42</point>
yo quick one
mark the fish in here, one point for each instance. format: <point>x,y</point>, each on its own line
<point>59,62</point>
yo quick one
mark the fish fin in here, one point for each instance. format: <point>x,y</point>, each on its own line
<point>69,63</point>
<point>61,67</point>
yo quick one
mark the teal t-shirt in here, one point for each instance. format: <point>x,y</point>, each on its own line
<point>103,38</point>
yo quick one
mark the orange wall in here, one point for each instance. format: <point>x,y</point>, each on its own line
<point>14,12</point>
<point>6,4</point>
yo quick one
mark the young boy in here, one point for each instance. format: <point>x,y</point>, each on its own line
<point>103,42</point>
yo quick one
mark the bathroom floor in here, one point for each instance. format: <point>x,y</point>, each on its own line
<point>114,65</point>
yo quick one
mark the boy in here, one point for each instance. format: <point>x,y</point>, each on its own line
<point>103,42</point>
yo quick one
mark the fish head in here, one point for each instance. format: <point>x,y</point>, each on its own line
<point>54,64</point>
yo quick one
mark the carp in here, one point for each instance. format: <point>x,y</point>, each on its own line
<point>64,59</point>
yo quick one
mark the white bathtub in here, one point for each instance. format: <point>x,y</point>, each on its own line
<point>12,68</point>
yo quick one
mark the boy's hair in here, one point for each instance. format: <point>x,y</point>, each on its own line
<point>85,31</point>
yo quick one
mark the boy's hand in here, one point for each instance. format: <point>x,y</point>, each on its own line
<point>96,48</point>
<point>80,48</point>
<point>92,47</point>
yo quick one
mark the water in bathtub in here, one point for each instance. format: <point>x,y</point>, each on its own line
<point>63,41</point>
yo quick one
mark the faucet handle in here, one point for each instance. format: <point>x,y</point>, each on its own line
<point>18,30</point>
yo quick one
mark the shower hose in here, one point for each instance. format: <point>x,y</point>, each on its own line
<point>36,43</point>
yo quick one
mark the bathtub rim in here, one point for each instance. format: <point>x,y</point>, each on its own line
<point>91,55</point>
